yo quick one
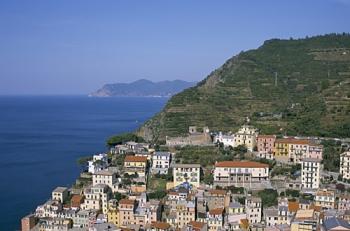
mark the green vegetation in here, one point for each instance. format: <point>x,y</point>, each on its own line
<point>157,194</point>
<point>268,197</point>
<point>292,193</point>
<point>331,155</point>
<point>296,86</point>
<point>207,156</point>
<point>156,183</point>
<point>122,138</point>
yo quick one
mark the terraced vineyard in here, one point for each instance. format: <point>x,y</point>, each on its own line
<point>285,86</point>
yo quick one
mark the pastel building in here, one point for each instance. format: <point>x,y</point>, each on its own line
<point>97,197</point>
<point>60,194</point>
<point>325,198</point>
<point>161,162</point>
<point>126,212</point>
<point>246,136</point>
<point>265,144</point>
<point>186,173</point>
<point>240,173</point>
<point>253,209</point>
<point>345,165</point>
<point>135,165</point>
<point>310,173</point>
<point>281,150</point>
<point>107,177</point>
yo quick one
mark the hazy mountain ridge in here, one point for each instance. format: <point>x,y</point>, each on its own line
<point>295,86</point>
<point>143,88</point>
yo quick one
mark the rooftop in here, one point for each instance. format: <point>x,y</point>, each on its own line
<point>241,164</point>
<point>166,154</point>
<point>266,136</point>
<point>217,211</point>
<point>127,202</point>
<point>335,222</point>
<point>311,160</point>
<point>305,214</point>
<point>105,172</point>
<point>60,189</point>
<point>292,141</point>
<point>130,158</point>
<point>187,165</point>
<point>160,225</point>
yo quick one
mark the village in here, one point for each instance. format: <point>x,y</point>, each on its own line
<point>251,181</point>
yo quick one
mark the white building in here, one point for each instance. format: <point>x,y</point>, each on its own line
<point>161,162</point>
<point>107,177</point>
<point>246,136</point>
<point>189,173</point>
<point>99,162</point>
<point>226,140</point>
<point>97,197</point>
<point>325,198</point>
<point>253,208</point>
<point>310,173</point>
<point>345,165</point>
<point>60,194</point>
<point>240,173</point>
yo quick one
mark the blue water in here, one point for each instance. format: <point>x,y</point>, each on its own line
<point>41,137</point>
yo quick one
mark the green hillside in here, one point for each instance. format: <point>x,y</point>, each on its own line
<point>285,86</point>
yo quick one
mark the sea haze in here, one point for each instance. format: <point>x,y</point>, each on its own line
<point>41,137</point>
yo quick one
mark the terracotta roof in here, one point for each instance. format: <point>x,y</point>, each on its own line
<point>218,211</point>
<point>173,193</point>
<point>292,141</point>
<point>160,225</point>
<point>218,191</point>
<point>241,164</point>
<point>322,192</point>
<point>293,206</point>
<point>197,225</point>
<point>266,136</point>
<point>135,158</point>
<point>244,223</point>
<point>126,201</point>
<point>316,208</point>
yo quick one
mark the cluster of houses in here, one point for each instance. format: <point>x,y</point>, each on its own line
<point>118,197</point>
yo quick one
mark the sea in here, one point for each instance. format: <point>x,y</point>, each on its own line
<point>41,138</point>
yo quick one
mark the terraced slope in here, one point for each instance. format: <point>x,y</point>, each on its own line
<point>285,86</point>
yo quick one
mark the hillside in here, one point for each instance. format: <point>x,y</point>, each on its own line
<point>143,88</point>
<point>294,87</point>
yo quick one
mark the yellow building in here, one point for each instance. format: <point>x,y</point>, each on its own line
<point>281,150</point>
<point>305,219</point>
<point>113,212</point>
<point>185,213</point>
<point>246,136</point>
<point>135,164</point>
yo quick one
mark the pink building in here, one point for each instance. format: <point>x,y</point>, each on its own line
<point>315,151</point>
<point>265,144</point>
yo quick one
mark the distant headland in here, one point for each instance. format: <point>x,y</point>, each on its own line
<point>143,88</point>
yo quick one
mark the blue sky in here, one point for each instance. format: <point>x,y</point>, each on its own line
<point>74,47</point>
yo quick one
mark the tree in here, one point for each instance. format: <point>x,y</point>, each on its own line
<point>83,161</point>
<point>122,138</point>
<point>268,197</point>
<point>159,194</point>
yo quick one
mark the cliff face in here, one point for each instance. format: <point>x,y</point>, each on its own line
<point>143,88</point>
<point>285,86</point>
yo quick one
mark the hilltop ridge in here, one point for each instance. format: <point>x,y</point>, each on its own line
<point>295,87</point>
